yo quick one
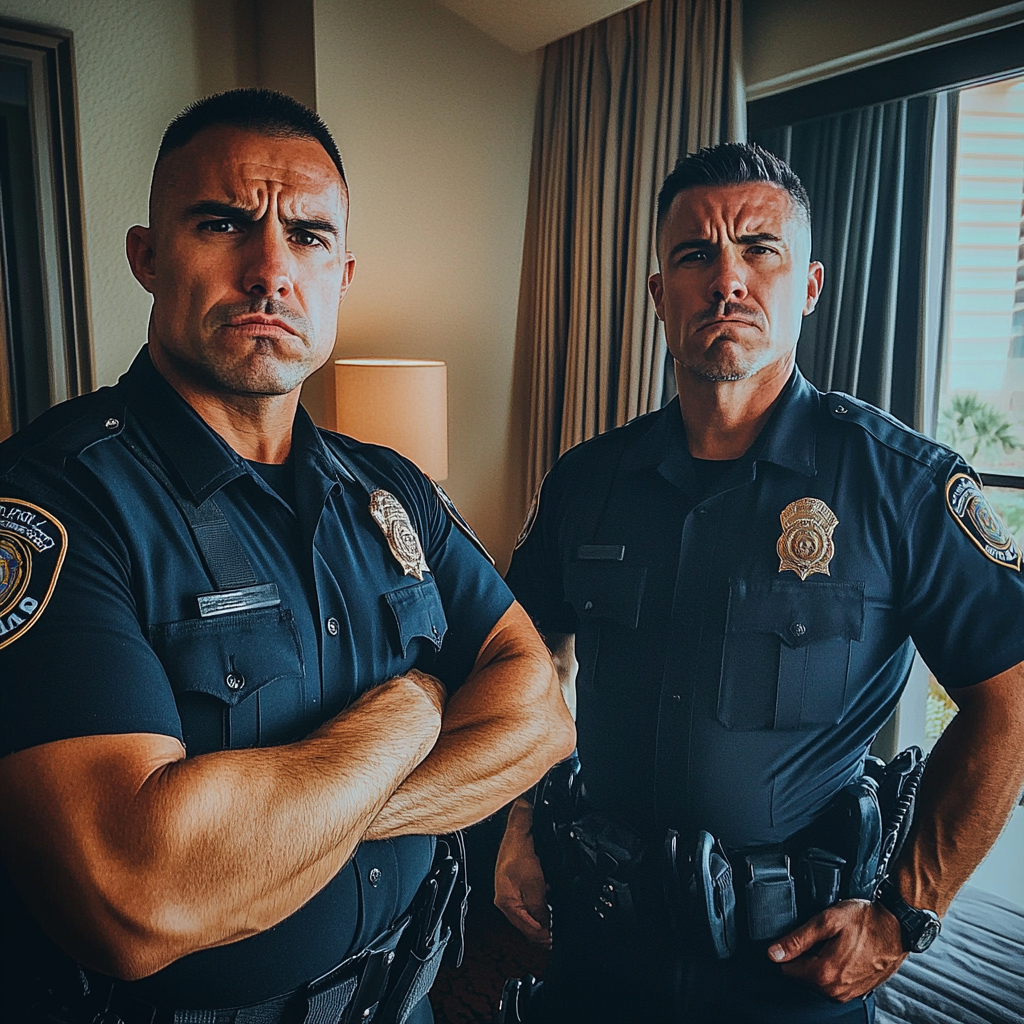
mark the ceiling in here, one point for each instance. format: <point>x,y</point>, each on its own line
<point>525,25</point>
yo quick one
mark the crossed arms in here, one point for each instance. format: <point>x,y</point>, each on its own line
<point>132,856</point>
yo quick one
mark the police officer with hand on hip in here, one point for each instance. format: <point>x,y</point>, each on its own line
<point>742,578</point>
<point>248,668</point>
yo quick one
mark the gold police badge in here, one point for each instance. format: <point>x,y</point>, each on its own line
<point>394,522</point>
<point>806,543</point>
<point>32,547</point>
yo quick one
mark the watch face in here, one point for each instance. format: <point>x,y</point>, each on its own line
<point>929,933</point>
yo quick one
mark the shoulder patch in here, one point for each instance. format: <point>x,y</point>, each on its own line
<point>456,517</point>
<point>32,548</point>
<point>975,515</point>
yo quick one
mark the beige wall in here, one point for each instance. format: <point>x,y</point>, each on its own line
<point>435,124</point>
<point>784,36</point>
<point>136,67</point>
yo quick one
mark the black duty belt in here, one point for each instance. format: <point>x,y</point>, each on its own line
<point>382,983</point>
<point>718,898</point>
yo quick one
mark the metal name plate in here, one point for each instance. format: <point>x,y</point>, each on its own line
<point>244,599</point>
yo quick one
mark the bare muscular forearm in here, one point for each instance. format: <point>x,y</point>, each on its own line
<point>133,862</point>
<point>973,780</point>
<point>501,731</point>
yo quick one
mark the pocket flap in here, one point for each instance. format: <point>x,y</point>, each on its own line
<point>606,590</point>
<point>232,656</point>
<point>798,612</point>
<point>418,612</point>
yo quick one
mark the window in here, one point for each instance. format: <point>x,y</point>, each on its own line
<point>981,405</point>
<point>45,355</point>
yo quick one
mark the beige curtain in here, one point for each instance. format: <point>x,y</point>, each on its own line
<point>619,103</point>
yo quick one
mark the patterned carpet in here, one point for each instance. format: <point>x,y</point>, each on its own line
<point>494,951</point>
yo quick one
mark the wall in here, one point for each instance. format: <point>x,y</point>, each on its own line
<point>435,124</point>
<point>781,37</point>
<point>136,67</point>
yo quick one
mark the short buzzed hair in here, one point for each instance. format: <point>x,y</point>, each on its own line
<point>731,163</point>
<point>262,111</point>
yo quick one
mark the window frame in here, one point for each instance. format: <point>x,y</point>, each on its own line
<point>984,57</point>
<point>53,112</point>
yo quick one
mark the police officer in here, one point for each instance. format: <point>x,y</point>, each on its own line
<point>248,668</point>
<point>740,576</point>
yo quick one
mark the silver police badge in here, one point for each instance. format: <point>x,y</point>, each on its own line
<point>806,545</point>
<point>32,547</point>
<point>975,515</point>
<point>391,517</point>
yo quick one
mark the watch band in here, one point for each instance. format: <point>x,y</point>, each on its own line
<point>919,928</point>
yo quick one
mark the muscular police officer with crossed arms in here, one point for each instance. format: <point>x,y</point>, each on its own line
<point>247,667</point>
<point>740,575</point>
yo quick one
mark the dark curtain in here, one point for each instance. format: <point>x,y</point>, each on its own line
<point>619,103</point>
<point>878,179</point>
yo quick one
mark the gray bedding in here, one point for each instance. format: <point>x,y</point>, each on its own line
<point>973,973</point>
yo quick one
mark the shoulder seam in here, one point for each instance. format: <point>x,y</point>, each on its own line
<point>942,451</point>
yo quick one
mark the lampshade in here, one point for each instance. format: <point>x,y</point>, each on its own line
<point>400,403</point>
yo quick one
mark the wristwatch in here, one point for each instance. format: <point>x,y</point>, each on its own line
<point>918,928</point>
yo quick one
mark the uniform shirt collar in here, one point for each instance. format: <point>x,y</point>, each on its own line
<point>203,460</point>
<point>787,440</point>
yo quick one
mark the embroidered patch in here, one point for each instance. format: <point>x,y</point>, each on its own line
<point>806,545</point>
<point>456,517</point>
<point>969,506</point>
<point>32,547</point>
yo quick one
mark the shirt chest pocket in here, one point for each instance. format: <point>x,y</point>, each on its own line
<point>605,595</point>
<point>787,651</point>
<point>419,620</point>
<point>238,679</point>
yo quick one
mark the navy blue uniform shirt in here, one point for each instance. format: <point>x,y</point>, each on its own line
<point>120,646</point>
<point>718,689</point>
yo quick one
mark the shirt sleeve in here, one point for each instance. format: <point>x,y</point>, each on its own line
<point>963,595</point>
<point>473,595</point>
<point>535,575</point>
<point>84,668</point>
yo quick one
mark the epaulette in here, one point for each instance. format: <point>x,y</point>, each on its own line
<point>67,429</point>
<point>886,429</point>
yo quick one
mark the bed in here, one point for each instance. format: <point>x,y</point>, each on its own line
<point>973,973</point>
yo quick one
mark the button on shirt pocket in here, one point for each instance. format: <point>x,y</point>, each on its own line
<point>787,653</point>
<point>603,594</point>
<point>418,612</point>
<point>217,666</point>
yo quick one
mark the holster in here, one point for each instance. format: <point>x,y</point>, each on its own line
<point>606,858</point>
<point>438,913</point>
<point>554,809</point>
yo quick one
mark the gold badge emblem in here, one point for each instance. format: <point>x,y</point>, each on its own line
<point>806,542</point>
<point>395,524</point>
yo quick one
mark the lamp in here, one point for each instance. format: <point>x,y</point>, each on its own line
<point>400,403</point>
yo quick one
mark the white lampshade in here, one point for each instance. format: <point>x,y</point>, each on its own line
<point>400,403</point>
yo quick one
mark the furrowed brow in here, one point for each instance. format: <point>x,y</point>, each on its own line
<point>211,208</point>
<point>314,225</point>
<point>690,243</point>
<point>762,236</point>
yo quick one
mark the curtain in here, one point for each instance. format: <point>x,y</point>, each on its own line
<point>879,181</point>
<point>619,103</point>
